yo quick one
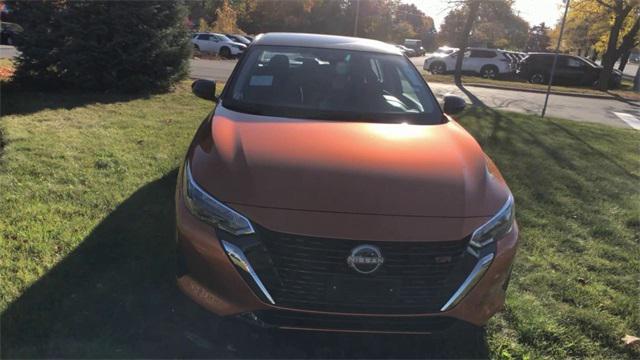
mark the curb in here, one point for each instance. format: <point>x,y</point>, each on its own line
<point>588,96</point>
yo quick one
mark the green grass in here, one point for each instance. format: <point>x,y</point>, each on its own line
<point>625,91</point>
<point>6,62</point>
<point>575,286</point>
<point>86,231</point>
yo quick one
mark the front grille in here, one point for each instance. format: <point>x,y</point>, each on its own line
<point>299,320</point>
<point>312,273</point>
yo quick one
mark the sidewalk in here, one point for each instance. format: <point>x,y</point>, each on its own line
<point>605,95</point>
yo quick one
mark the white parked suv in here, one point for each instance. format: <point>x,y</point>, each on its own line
<point>488,63</point>
<point>217,44</point>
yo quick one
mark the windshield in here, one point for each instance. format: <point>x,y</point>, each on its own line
<point>588,61</point>
<point>331,84</point>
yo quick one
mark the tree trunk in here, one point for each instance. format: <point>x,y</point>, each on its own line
<point>613,53</point>
<point>636,81</point>
<point>464,38</point>
<point>624,59</point>
<point>609,58</point>
<point>628,43</point>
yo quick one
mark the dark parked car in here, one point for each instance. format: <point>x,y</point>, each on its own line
<point>415,45</point>
<point>9,32</point>
<point>570,70</point>
<point>405,50</point>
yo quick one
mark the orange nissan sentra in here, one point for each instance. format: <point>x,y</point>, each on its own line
<point>329,191</point>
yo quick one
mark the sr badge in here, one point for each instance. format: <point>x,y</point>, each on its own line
<point>365,259</point>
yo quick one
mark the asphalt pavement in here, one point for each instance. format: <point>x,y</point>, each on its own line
<point>618,113</point>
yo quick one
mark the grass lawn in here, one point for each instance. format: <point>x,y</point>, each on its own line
<point>86,235</point>
<point>625,91</point>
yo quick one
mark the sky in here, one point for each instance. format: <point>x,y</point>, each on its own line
<point>534,11</point>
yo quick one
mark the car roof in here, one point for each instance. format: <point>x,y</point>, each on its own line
<point>547,54</point>
<point>483,48</point>
<point>325,42</point>
<point>209,33</point>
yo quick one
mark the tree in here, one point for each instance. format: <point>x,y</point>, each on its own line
<point>328,17</point>
<point>496,25</point>
<point>452,26</point>
<point>202,25</point>
<point>539,39</point>
<point>403,30</point>
<point>421,24</point>
<point>606,26</point>
<point>375,18</point>
<point>386,20</point>
<point>585,28</point>
<point>81,44</point>
<point>226,19</point>
<point>472,12</point>
<point>499,27</point>
<point>265,16</point>
<point>620,10</point>
<point>203,10</point>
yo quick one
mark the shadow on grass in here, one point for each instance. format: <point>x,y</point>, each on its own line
<point>474,99</point>
<point>499,120</point>
<point>18,101</point>
<point>114,296</point>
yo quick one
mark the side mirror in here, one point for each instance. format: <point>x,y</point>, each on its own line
<point>205,89</point>
<point>453,104</point>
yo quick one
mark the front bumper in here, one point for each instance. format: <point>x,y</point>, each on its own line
<point>207,276</point>
<point>237,51</point>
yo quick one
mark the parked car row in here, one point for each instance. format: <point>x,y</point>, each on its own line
<point>224,45</point>
<point>532,67</point>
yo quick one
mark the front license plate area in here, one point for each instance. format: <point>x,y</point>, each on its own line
<point>362,290</point>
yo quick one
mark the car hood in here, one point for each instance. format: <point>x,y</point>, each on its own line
<point>345,167</point>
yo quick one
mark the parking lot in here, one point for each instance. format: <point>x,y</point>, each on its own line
<point>613,112</point>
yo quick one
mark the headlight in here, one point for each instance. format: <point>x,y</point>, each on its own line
<point>500,225</point>
<point>210,210</point>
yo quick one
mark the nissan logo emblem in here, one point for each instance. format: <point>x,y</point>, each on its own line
<point>365,259</point>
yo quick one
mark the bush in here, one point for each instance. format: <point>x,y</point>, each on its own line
<point>123,46</point>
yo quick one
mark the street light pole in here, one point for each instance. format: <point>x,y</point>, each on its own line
<point>355,26</point>
<point>555,57</point>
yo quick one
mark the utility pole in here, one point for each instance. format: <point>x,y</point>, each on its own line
<point>555,57</point>
<point>355,26</point>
